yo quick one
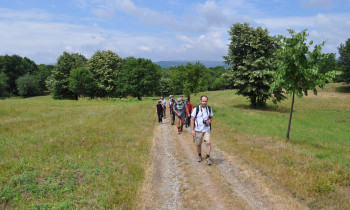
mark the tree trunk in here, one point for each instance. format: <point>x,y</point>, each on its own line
<point>290,118</point>
<point>189,98</point>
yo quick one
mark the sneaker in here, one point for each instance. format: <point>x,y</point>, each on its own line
<point>181,128</point>
<point>199,159</point>
<point>179,132</point>
<point>208,161</point>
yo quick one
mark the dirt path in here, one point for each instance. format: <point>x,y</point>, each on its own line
<point>176,180</point>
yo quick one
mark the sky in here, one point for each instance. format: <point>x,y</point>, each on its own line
<point>160,30</point>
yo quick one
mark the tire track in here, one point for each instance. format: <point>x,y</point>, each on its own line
<point>176,180</point>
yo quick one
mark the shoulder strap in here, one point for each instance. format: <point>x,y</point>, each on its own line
<point>197,110</point>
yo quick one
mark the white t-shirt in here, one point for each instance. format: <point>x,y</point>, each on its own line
<point>203,114</point>
<point>163,102</point>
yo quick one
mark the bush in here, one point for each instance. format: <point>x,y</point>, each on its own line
<point>28,85</point>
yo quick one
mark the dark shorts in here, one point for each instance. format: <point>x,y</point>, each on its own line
<point>182,117</point>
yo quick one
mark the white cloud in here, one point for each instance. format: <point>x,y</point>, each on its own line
<point>332,28</point>
<point>326,4</point>
<point>144,48</point>
<point>199,33</point>
<point>32,14</point>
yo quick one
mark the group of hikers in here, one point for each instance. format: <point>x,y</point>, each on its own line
<point>198,118</point>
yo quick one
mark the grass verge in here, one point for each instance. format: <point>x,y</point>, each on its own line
<point>73,154</point>
<point>315,165</point>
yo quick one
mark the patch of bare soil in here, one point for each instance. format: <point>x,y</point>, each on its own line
<point>176,180</point>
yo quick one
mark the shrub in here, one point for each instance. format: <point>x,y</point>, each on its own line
<point>28,85</point>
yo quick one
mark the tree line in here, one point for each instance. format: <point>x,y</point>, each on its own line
<point>104,75</point>
<point>262,67</point>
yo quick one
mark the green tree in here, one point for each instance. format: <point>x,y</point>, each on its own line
<point>59,80</point>
<point>3,86</point>
<point>329,63</point>
<point>105,67</point>
<point>215,79</point>
<point>139,77</point>
<point>251,55</point>
<point>188,79</point>
<point>298,67</point>
<point>43,72</point>
<point>81,82</point>
<point>28,85</point>
<point>15,66</point>
<point>344,60</point>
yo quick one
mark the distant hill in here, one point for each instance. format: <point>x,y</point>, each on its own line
<point>208,64</point>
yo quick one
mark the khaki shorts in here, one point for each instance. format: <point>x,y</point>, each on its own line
<point>200,136</point>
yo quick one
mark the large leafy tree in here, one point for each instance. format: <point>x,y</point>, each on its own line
<point>188,79</point>
<point>15,66</point>
<point>43,72</point>
<point>3,85</point>
<point>140,77</point>
<point>214,78</point>
<point>28,85</point>
<point>251,55</point>
<point>59,80</point>
<point>106,67</point>
<point>329,63</point>
<point>298,67</point>
<point>344,60</point>
<point>81,82</point>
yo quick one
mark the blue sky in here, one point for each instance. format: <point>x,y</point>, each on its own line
<point>160,30</point>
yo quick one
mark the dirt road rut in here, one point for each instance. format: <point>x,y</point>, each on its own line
<point>175,180</point>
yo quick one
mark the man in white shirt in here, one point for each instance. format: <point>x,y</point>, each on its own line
<point>201,118</point>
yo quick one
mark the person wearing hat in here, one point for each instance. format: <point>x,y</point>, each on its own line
<point>159,110</point>
<point>180,109</point>
<point>164,105</point>
<point>171,109</point>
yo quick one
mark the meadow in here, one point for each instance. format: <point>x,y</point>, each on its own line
<point>73,154</point>
<point>315,165</point>
<point>94,153</point>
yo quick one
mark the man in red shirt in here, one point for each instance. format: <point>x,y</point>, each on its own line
<point>188,114</point>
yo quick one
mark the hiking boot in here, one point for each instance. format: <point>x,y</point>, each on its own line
<point>208,161</point>
<point>199,159</point>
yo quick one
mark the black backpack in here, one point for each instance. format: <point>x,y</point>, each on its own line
<point>197,110</point>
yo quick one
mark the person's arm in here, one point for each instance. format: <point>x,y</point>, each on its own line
<point>192,127</point>
<point>210,117</point>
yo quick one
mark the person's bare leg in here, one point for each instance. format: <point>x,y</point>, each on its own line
<point>199,149</point>
<point>208,146</point>
<point>178,125</point>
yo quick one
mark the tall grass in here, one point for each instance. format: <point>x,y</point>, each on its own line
<point>73,154</point>
<point>314,166</point>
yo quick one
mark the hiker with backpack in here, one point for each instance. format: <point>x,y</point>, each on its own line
<point>159,110</point>
<point>164,105</point>
<point>171,109</point>
<point>180,110</point>
<point>188,114</point>
<point>201,118</point>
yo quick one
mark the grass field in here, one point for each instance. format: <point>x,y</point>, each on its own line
<point>73,154</point>
<point>315,165</point>
<point>93,154</point>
